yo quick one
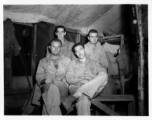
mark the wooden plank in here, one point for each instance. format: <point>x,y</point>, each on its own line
<point>112,36</point>
<point>33,61</point>
<point>103,107</point>
<point>114,98</point>
<point>141,69</point>
<point>122,85</point>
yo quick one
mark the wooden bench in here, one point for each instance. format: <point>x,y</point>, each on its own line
<point>100,100</point>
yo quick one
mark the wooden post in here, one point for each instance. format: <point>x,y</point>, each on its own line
<point>78,37</point>
<point>33,65</point>
<point>141,62</point>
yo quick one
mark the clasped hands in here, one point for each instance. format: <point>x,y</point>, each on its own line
<point>46,81</point>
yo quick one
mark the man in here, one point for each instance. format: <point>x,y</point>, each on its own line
<point>50,77</point>
<point>104,54</point>
<point>60,32</point>
<point>85,77</point>
<point>96,51</point>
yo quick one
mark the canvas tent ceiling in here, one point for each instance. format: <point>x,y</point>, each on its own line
<point>82,17</point>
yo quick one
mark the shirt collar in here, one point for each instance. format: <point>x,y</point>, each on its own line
<point>87,61</point>
<point>49,57</point>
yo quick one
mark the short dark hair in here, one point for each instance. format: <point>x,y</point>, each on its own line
<point>60,26</point>
<point>55,40</point>
<point>75,45</point>
<point>92,31</point>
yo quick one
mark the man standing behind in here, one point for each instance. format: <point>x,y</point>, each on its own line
<point>96,51</point>
<point>85,77</point>
<point>60,32</point>
<point>50,78</point>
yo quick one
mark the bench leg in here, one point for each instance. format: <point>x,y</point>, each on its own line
<point>131,108</point>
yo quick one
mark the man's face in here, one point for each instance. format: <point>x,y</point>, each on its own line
<point>60,33</point>
<point>80,52</point>
<point>93,38</point>
<point>55,48</point>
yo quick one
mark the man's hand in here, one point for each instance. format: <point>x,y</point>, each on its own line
<point>48,80</point>
<point>45,81</point>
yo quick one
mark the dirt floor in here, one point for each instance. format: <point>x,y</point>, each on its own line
<point>14,102</point>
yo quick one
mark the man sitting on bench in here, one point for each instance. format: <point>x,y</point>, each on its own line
<point>50,78</point>
<point>85,77</point>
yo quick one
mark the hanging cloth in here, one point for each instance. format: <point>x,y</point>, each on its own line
<point>11,46</point>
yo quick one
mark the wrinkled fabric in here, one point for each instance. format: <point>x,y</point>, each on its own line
<point>46,69</point>
<point>11,46</point>
<point>112,64</point>
<point>95,85</point>
<point>83,106</point>
<point>78,73</point>
<point>98,53</point>
<point>85,79</point>
<point>51,98</point>
<point>58,87</point>
<point>66,49</point>
<point>123,60</point>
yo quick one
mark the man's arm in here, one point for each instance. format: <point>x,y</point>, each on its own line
<point>70,75</point>
<point>40,77</point>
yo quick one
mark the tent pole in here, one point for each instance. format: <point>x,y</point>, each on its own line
<point>78,37</point>
<point>141,101</point>
<point>34,51</point>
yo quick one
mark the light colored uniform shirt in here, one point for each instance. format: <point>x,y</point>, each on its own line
<point>78,73</point>
<point>46,69</point>
<point>98,53</point>
<point>87,79</point>
<point>66,49</point>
